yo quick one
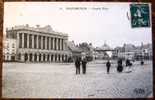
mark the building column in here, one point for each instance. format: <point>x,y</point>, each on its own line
<point>27,40</point>
<point>22,40</point>
<point>28,57</point>
<point>37,57</point>
<point>64,44</point>
<point>41,42</point>
<point>64,57</point>
<point>60,44</point>
<point>45,43</point>
<point>57,45</point>
<point>60,58</point>
<point>42,57</point>
<point>45,57</point>
<point>49,40</point>
<point>18,39</point>
<point>50,58</point>
<point>23,57</point>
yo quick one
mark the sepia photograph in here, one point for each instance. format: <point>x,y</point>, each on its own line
<point>77,50</point>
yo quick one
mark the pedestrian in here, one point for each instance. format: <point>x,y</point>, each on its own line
<point>120,66</point>
<point>108,65</point>
<point>127,62</point>
<point>77,65</point>
<point>128,65</point>
<point>84,62</point>
<point>142,62</point>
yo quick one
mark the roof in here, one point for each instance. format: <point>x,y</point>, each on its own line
<point>103,48</point>
<point>72,47</point>
<point>45,29</point>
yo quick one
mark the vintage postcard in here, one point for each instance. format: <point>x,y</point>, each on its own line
<point>77,50</point>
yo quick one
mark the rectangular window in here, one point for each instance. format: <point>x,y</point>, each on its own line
<point>11,34</point>
<point>14,35</point>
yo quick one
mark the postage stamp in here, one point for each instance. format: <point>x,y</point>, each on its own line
<point>140,15</point>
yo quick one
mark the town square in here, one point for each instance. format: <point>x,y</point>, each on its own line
<point>58,80</point>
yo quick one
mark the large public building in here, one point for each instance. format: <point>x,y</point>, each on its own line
<point>38,44</point>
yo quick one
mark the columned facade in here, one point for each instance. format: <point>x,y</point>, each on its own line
<point>40,46</point>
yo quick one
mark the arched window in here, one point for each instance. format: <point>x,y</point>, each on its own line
<point>19,56</point>
<point>25,56</point>
<point>39,57</point>
<point>51,57</point>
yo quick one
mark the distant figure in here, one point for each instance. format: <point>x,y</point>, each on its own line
<point>84,62</point>
<point>120,66</point>
<point>77,65</point>
<point>120,61</point>
<point>142,62</point>
<point>108,65</point>
<point>128,63</point>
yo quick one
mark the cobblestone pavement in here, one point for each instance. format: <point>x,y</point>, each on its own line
<point>58,80</point>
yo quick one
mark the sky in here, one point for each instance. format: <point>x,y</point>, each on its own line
<point>95,23</point>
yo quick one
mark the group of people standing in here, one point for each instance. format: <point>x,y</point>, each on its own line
<point>78,63</point>
<point>120,65</point>
<point>83,62</point>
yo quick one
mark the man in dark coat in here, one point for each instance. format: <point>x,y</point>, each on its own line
<point>84,62</point>
<point>77,65</point>
<point>127,62</point>
<point>120,66</point>
<point>108,65</point>
<point>142,62</point>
